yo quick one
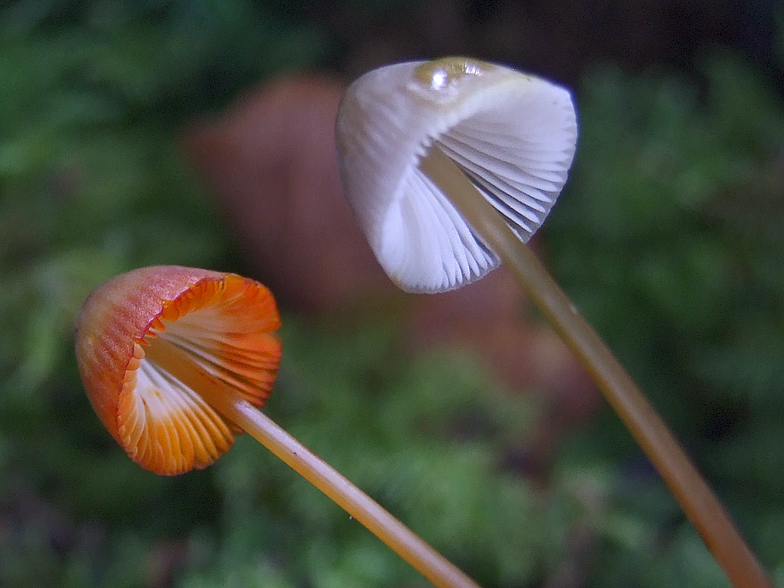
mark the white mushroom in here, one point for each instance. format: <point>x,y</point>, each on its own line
<point>450,166</point>
<point>412,134</point>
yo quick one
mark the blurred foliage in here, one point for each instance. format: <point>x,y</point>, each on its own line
<point>668,237</point>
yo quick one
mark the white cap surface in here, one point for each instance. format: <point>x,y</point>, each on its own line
<point>511,134</point>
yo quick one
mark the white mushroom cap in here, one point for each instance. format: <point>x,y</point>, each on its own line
<point>513,136</point>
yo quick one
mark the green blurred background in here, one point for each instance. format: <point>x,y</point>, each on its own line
<point>668,236</point>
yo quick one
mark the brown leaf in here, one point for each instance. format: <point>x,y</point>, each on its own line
<point>272,165</point>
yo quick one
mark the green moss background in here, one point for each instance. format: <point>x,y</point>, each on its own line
<point>669,238</point>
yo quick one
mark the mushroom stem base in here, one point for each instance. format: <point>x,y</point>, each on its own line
<point>687,485</point>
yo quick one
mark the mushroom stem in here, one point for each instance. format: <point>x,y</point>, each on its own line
<point>687,485</point>
<point>233,407</point>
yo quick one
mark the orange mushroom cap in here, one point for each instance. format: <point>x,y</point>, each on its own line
<point>221,326</point>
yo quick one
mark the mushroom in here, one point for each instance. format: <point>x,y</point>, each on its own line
<point>413,137</point>
<point>176,361</point>
<point>450,165</point>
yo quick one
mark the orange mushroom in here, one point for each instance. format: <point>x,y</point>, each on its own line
<point>146,337</point>
<point>177,360</point>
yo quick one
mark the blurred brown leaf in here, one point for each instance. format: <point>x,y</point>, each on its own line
<point>271,163</point>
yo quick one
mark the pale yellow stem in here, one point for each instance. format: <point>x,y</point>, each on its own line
<point>228,402</point>
<point>685,482</point>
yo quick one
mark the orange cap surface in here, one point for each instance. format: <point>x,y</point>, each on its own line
<point>221,325</point>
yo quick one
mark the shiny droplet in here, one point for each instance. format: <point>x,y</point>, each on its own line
<point>442,74</point>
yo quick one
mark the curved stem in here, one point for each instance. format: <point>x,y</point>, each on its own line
<point>687,485</point>
<point>228,402</point>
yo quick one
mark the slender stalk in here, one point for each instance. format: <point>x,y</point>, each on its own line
<point>687,485</point>
<point>421,556</point>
